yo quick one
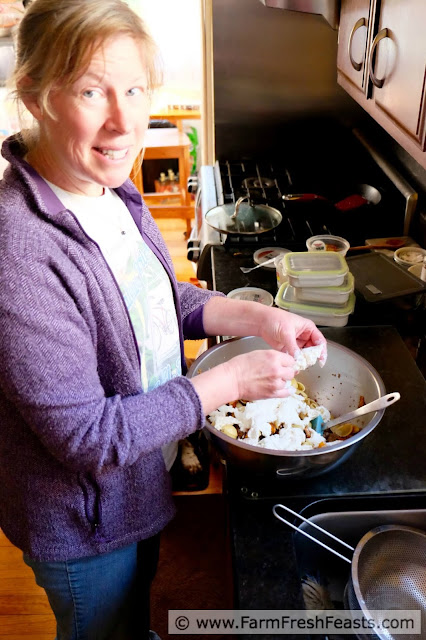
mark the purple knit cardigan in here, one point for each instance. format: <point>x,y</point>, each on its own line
<point>81,469</point>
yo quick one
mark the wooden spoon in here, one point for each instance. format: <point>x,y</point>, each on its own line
<point>392,243</point>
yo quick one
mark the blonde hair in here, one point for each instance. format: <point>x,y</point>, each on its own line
<point>57,39</point>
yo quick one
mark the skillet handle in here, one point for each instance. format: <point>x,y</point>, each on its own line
<point>305,197</point>
<point>307,535</point>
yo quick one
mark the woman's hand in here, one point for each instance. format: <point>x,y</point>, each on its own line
<point>257,374</point>
<point>289,332</point>
<point>249,376</point>
<point>262,374</point>
<point>282,330</point>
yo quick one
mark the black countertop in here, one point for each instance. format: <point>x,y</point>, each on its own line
<point>389,465</point>
<point>226,273</point>
<point>404,312</point>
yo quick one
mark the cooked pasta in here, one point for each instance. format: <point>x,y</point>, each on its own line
<point>276,423</point>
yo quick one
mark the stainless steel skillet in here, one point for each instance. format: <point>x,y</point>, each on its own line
<point>243,218</point>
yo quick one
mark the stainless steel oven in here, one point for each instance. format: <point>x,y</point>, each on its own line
<point>202,236</point>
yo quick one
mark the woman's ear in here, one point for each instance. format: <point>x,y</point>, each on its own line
<point>30,100</point>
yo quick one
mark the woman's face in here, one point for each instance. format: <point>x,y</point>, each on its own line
<point>100,122</point>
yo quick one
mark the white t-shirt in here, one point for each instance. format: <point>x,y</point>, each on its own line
<point>143,282</point>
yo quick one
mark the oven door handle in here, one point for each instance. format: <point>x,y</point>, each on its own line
<point>198,198</point>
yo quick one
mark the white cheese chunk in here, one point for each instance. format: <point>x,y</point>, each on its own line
<point>307,357</point>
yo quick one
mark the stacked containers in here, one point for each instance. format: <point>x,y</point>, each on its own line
<point>320,287</point>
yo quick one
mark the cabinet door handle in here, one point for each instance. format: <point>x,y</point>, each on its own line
<point>362,22</point>
<point>378,82</point>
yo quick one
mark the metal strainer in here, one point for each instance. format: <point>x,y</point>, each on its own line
<point>388,571</point>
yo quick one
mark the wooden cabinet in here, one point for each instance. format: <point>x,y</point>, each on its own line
<point>381,63</point>
<point>354,34</point>
<point>400,66</point>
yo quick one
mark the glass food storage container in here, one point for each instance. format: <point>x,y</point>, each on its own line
<point>315,269</point>
<point>323,315</point>
<point>338,296</point>
<point>327,242</point>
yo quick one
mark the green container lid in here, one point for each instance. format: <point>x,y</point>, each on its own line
<point>327,295</point>
<point>315,268</point>
<point>327,315</point>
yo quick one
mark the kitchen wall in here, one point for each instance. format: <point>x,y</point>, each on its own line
<point>272,69</point>
<point>276,91</point>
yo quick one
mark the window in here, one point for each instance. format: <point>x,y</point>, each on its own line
<point>176,28</point>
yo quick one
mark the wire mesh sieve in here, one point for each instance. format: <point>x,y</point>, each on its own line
<point>388,572</point>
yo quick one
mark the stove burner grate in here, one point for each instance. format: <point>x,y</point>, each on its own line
<point>262,182</point>
<point>258,183</point>
<point>265,182</point>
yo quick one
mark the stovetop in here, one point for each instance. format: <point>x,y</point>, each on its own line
<point>276,184</point>
<point>334,173</point>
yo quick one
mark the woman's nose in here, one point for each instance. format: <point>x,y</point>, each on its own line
<point>119,116</point>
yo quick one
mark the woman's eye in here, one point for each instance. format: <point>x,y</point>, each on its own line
<point>90,93</point>
<point>134,91</point>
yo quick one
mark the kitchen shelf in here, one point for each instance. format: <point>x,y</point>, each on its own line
<point>162,144</point>
<point>176,116</point>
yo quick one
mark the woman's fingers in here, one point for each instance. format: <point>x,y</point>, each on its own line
<point>250,376</point>
<point>263,374</point>
<point>288,331</point>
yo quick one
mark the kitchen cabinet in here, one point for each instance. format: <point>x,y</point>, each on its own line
<point>381,63</point>
<point>354,33</point>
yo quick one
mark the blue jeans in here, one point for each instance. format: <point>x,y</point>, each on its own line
<point>104,597</point>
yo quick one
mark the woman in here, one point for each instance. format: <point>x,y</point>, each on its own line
<point>93,323</point>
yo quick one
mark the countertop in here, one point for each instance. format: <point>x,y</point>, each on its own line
<point>388,464</point>
<point>404,312</point>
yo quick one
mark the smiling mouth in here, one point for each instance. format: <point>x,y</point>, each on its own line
<point>113,154</point>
